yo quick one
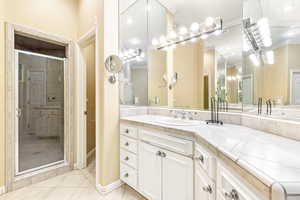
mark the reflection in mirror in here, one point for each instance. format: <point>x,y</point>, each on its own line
<point>133,52</point>
<point>195,53</point>
<point>271,50</point>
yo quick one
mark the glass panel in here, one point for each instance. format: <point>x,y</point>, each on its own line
<point>41,111</point>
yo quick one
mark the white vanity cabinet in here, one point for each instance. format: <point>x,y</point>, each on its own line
<point>128,155</point>
<point>230,186</point>
<point>204,187</point>
<point>165,167</point>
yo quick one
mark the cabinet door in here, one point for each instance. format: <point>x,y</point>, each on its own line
<point>149,171</point>
<point>177,180</point>
<point>204,187</point>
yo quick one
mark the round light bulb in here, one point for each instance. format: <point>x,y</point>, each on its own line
<point>209,21</point>
<point>183,30</point>
<point>163,39</point>
<point>195,27</point>
<point>173,35</point>
<point>204,36</point>
<point>155,42</point>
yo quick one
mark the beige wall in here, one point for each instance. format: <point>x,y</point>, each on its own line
<point>37,15</point>
<point>79,16</point>
<point>157,63</point>
<point>189,64</point>
<point>232,85</point>
<point>90,13</point>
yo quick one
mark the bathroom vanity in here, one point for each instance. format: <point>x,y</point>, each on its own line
<point>170,162</point>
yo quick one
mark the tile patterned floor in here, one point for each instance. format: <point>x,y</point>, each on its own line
<point>75,185</point>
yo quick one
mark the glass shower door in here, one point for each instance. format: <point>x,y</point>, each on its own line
<point>40,103</point>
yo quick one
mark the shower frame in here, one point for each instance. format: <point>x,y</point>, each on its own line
<point>13,179</point>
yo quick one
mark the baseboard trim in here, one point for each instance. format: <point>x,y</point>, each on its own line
<point>109,188</point>
<point>90,153</point>
<point>2,190</point>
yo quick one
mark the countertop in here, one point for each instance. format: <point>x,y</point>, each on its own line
<point>270,158</point>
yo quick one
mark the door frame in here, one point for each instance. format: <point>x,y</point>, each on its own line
<point>10,104</point>
<point>17,52</point>
<point>90,37</point>
<point>292,72</point>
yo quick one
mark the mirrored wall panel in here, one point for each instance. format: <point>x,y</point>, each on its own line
<point>181,53</point>
<point>271,49</point>
<point>133,52</point>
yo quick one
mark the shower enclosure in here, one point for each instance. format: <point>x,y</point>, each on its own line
<point>40,115</point>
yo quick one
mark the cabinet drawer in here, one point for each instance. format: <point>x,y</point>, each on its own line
<point>206,160</point>
<point>168,142</point>
<point>128,158</point>
<point>128,144</point>
<point>205,188</point>
<point>128,175</point>
<point>231,186</point>
<point>129,131</point>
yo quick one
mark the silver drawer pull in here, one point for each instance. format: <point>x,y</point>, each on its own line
<point>207,189</point>
<point>126,175</point>
<point>201,158</point>
<point>233,195</point>
<point>163,154</point>
<point>127,131</point>
<point>158,153</point>
<point>126,158</point>
<point>126,144</point>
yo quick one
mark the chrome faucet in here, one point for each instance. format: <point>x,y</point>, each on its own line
<point>269,107</point>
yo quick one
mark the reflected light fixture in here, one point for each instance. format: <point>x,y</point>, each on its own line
<point>131,55</point>
<point>211,26</point>
<point>254,59</point>
<point>269,57</point>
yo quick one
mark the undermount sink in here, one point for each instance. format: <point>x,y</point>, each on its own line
<point>177,122</point>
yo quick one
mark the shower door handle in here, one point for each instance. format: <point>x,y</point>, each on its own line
<point>19,112</point>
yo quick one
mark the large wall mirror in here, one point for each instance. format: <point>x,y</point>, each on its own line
<point>188,52</point>
<point>271,50</point>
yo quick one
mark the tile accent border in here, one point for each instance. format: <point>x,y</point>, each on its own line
<point>109,188</point>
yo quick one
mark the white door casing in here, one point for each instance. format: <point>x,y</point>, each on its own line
<point>295,87</point>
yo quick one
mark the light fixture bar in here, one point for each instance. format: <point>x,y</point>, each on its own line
<point>130,55</point>
<point>203,30</point>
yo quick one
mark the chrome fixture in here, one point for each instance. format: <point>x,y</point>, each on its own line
<point>211,26</point>
<point>214,108</point>
<point>113,65</point>
<point>269,107</point>
<point>131,55</point>
<point>170,81</point>
<point>259,105</point>
<point>257,38</point>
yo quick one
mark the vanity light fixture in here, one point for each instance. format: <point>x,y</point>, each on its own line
<point>211,26</point>
<point>131,55</point>
<point>256,40</point>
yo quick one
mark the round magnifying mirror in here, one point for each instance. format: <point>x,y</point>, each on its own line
<point>113,64</point>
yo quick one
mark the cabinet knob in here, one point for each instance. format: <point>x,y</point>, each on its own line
<point>126,131</point>
<point>207,189</point>
<point>126,158</point>
<point>158,153</point>
<point>201,158</point>
<point>163,154</point>
<point>126,175</point>
<point>126,144</point>
<point>233,195</point>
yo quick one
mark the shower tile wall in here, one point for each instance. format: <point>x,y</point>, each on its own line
<point>41,98</point>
